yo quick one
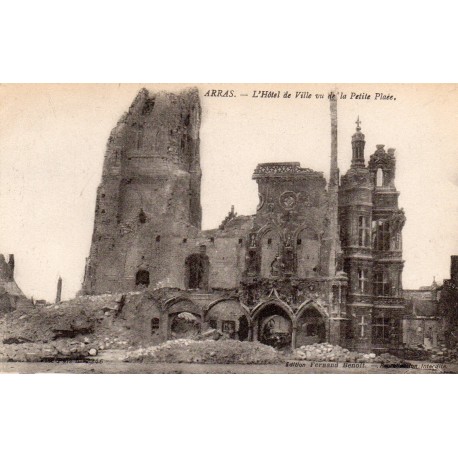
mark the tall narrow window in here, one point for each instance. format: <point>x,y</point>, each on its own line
<point>364,231</point>
<point>379,178</point>
<point>362,326</point>
<point>382,283</point>
<point>197,268</point>
<point>382,236</point>
<point>362,281</point>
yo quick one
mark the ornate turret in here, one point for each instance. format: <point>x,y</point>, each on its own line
<point>357,144</point>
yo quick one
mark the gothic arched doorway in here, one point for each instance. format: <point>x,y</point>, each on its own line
<point>274,327</point>
<point>311,327</point>
<point>184,325</point>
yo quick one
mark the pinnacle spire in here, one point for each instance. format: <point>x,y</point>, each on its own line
<point>358,142</point>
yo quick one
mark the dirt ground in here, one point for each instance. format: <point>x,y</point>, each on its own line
<point>117,367</point>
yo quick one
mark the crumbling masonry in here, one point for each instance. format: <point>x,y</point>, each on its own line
<point>317,262</point>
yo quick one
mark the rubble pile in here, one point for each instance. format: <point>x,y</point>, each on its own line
<point>443,354</point>
<point>328,352</point>
<point>74,329</point>
<point>38,351</point>
<point>207,352</point>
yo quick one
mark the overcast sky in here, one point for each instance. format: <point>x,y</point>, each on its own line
<point>53,138</point>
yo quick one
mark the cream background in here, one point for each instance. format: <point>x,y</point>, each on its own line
<point>53,137</point>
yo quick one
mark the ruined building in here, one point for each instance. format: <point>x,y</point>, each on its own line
<point>11,296</point>
<point>317,262</point>
<point>448,304</point>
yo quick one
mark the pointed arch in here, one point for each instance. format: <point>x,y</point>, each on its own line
<point>310,304</point>
<point>283,305</point>
<point>245,309</point>
<point>188,305</point>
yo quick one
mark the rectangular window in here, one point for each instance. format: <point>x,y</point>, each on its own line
<point>364,231</point>
<point>382,236</point>
<point>381,328</point>
<point>362,281</point>
<point>382,285</point>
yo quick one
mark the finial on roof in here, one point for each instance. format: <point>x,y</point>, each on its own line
<point>358,122</point>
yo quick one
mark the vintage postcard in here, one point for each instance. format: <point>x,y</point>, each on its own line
<point>228,228</point>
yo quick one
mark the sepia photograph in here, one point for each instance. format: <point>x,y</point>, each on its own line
<point>228,228</point>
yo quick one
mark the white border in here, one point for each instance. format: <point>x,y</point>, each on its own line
<point>85,41</point>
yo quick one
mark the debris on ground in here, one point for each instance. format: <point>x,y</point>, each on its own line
<point>443,354</point>
<point>207,352</point>
<point>329,352</point>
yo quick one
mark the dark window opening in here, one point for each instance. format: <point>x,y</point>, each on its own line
<point>142,217</point>
<point>154,326</point>
<point>197,266</point>
<point>240,241</point>
<point>213,324</point>
<point>381,235</point>
<point>103,211</point>
<point>142,278</point>
<point>299,241</point>
<point>185,240</point>
<point>244,328</point>
<point>269,241</point>
<point>103,195</point>
<point>158,238</point>
<point>212,239</point>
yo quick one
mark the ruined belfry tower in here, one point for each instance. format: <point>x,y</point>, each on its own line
<point>318,261</point>
<point>150,193</point>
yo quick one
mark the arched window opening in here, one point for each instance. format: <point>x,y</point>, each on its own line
<point>197,266</point>
<point>142,278</point>
<point>158,238</point>
<point>379,178</point>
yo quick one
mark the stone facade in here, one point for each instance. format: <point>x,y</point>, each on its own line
<point>448,304</point>
<point>422,324</point>
<point>287,276</point>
